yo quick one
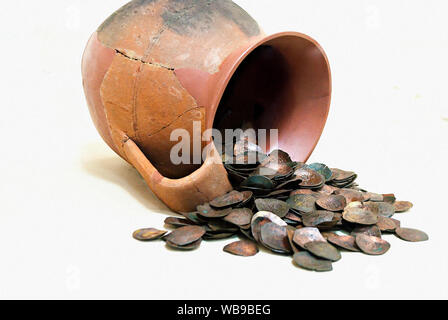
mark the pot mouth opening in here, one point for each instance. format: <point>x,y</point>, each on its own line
<point>282,83</point>
<point>250,98</point>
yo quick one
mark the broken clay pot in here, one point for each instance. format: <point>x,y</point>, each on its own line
<point>159,65</point>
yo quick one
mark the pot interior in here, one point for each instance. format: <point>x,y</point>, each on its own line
<point>282,84</point>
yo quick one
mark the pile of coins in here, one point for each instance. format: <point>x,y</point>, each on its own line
<point>308,211</point>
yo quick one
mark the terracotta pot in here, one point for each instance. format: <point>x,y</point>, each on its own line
<point>159,65</point>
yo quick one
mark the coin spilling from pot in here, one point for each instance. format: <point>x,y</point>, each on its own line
<point>310,212</point>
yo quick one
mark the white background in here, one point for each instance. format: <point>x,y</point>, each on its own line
<point>68,204</point>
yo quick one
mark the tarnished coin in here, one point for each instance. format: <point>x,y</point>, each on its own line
<point>282,193</point>
<point>277,207</point>
<point>193,217</point>
<point>387,224</point>
<point>269,215</point>
<point>307,261</point>
<point>217,225</point>
<point>259,182</point>
<point>191,246</point>
<point>372,230</point>
<point>323,250</point>
<point>305,235</point>
<point>389,198</point>
<point>412,235</point>
<point>148,234</point>
<point>310,178</point>
<point>322,169</point>
<point>332,202</point>
<point>275,237</point>
<point>327,189</point>
<point>276,157</point>
<point>293,217</point>
<point>350,195</point>
<point>230,199</point>
<point>376,197</point>
<point>305,191</point>
<point>185,235</point>
<point>346,242</point>
<point>218,236</point>
<point>244,248</point>
<point>402,206</point>
<point>317,218</point>
<point>385,209</point>
<point>247,197</point>
<point>360,214</point>
<point>372,245</point>
<point>341,175</point>
<point>302,203</point>
<point>291,231</point>
<point>239,216</point>
<point>207,211</point>
<point>260,219</point>
<point>178,222</point>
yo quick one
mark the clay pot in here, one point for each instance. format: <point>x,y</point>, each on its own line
<point>159,65</point>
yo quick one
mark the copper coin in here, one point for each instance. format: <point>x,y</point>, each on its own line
<point>148,234</point>
<point>304,191</point>
<point>372,245</point>
<point>305,235</point>
<point>402,206</point>
<point>256,225</point>
<point>247,195</point>
<point>218,236</point>
<point>178,222</point>
<point>185,235</point>
<point>230,199</point>
<point>346,242</point>
<point>277,207</point>
<point>191,246</point>
<point>275,237</point>
<point>302,202</point>
<point>217,225</point>
<point>291,231</point>
<point>350,195</point>
<point>239,217</point>
<point>193,217</point>
<point>317,218</point>
<point>269,215</point>
<point>244,248</point>
<point>322,169</point>
<point>376,197</point>
<point>372,230</point>
<point>307,261</point>
<point>323,250</point>
<point>278,193</point>
<point>389,198</point>
<point>276,157</point>
<point>207,211</point>
<point>412,235</point>
<point>259,182</point>
<point>293,217</point>
<point>332,202</point>
<point>385,209</point>
<point>360,214</point>
<point>326,189</point>
<point>310,178</point>
<point>340,175</point>
<point>387,224</point>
